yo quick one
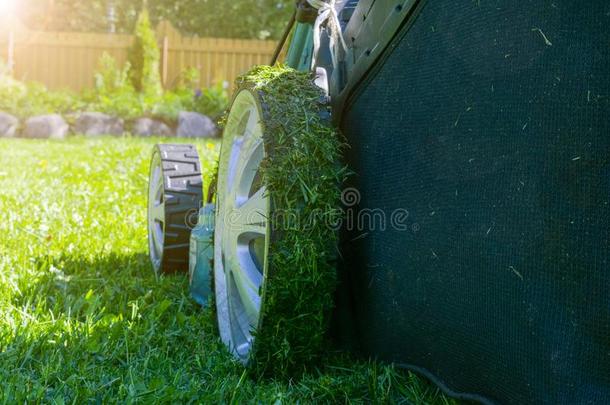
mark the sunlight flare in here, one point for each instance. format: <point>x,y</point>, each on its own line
<point>7,7</point>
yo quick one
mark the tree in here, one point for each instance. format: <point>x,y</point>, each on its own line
<point>144,58</point>
<point>217,18</point>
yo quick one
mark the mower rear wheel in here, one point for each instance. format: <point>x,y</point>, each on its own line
<point>175,192</point>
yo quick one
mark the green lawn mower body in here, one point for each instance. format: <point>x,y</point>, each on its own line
<point>486,125</point>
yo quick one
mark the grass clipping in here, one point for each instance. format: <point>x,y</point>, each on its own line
<point>302,174</point>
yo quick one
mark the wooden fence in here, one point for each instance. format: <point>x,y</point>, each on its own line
<point>68,60</point>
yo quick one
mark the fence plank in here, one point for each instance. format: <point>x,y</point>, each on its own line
<point>68,60</point>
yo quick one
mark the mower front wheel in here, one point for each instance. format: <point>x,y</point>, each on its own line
<point>274,244</point>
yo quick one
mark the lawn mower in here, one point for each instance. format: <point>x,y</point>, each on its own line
<point>454,157</point>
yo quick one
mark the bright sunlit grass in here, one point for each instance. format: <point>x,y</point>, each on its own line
<point>83,318</point>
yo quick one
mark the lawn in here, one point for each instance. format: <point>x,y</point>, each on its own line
<point>83,317</point>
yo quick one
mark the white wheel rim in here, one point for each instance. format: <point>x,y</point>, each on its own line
<point>241,237</point>
<point>156,213</point>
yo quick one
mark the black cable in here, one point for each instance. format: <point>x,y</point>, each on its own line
<point>443,387</point>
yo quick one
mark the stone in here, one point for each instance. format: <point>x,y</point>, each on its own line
<point>51,126</point>
<point>195,125</point>
<point>150,127</point>
<point>96,124</point>
<point>8,125</point>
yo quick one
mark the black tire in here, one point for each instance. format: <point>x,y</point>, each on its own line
<point>173,205</point>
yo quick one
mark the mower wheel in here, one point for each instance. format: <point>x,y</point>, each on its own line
<point>175,191</point>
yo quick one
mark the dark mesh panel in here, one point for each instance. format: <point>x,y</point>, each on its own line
<point>489,123</point>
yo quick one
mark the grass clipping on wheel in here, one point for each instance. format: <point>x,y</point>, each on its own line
<point>303,176</point>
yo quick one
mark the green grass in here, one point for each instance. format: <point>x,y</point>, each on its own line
<point>82,316</point>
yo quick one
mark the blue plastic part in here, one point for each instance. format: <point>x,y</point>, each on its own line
<point>201,254</point>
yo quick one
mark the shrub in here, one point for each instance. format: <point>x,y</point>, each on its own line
<point>26,100</point>
<point>144,58</point>
<point>168,106</point>
<point>114,92</point>
<point>211,101</point>
<point>187,96</point>
<point>12,92</point>
<point>39,100</point>
<point>109,78</point>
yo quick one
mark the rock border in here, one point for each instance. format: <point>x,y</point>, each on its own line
<point>93,124</point>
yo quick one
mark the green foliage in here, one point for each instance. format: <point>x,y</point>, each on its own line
<point>188,96</point>
<point>27,99</point>
<point>114,93</point>
<point>260,19</point>
<point>170,104</point>
<point>264,19</point>
<point>110,78</point>
<point>83,319</point>
<point>189,79</point>
<point>211,101</point>
<point>144,58</point>
<point>12,93</point>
